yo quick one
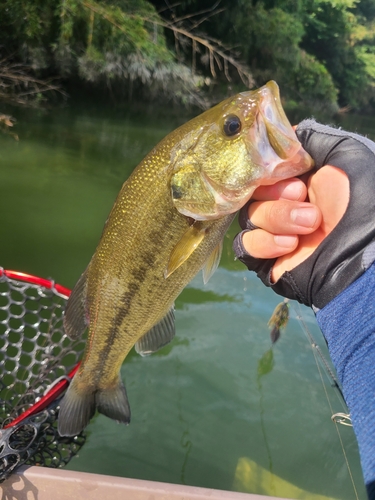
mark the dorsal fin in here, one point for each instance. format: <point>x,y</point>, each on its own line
<point>159,335</point>
<point>75,317</point>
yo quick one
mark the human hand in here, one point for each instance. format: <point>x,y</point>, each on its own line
<point>302,249</point>
<point>291,228</point>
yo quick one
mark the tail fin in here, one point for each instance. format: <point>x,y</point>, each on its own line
<point>114,403</point>
<point>77,409</point>
<point>75,412</point>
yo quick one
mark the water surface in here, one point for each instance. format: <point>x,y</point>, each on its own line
<point>216,408</point>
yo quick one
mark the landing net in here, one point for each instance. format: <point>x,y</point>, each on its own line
<point>37,361</point>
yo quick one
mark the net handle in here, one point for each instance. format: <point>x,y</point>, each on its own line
<point>35,280</point>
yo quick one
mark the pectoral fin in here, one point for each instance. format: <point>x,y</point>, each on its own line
<point>159,335</point>
<point>185,247</point>
<point>212,262</point>
<point>75,318</point>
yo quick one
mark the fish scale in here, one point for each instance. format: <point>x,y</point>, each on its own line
<point>167,223</point>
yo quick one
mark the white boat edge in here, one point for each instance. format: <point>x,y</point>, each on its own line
<point>42,483</point>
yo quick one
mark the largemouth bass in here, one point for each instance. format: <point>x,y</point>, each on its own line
<point>167,223</point>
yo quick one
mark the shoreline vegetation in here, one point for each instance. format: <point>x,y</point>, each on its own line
<point>191,53</point>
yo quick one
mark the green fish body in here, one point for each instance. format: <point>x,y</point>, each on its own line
<point>168,223</point>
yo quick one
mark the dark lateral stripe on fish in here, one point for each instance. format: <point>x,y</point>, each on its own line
<point>114,332</point>
<point>139,275</point>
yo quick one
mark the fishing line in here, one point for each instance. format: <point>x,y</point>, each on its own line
<point>318,355</point>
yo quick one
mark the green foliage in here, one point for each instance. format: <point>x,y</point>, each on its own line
<point>118,41</point>
<point>102,35</point>
<point>313,83</point>
<point>275,35</point>
<point>319,51</point>
<point>340,35</point>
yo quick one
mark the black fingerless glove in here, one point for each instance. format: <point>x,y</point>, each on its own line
<point>349,249</point>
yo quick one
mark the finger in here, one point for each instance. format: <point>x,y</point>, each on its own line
<point>288,189</point>
<point>306,246</point>
<point>285,216</point>
<point>332,204</point>
<point>263,245</point>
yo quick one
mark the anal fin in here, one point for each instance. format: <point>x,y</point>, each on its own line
<point>159,335</point>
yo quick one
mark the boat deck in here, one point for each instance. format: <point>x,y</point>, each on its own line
<point>39,483</point>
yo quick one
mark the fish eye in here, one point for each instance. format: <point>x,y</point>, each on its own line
<point>232,125</point>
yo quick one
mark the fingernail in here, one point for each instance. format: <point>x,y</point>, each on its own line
<point>285,241</point>
<point>292,191</point>
<point>305,217</point>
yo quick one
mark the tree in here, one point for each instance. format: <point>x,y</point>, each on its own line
<point>341,35</point>
<point>120,43</point>
<point>321,52</point>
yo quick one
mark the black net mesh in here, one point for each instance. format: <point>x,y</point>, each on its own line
<point>34,353</point>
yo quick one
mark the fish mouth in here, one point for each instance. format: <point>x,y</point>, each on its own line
<point>278,148</point>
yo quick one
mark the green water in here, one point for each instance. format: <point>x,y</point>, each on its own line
<point>216,400</point>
